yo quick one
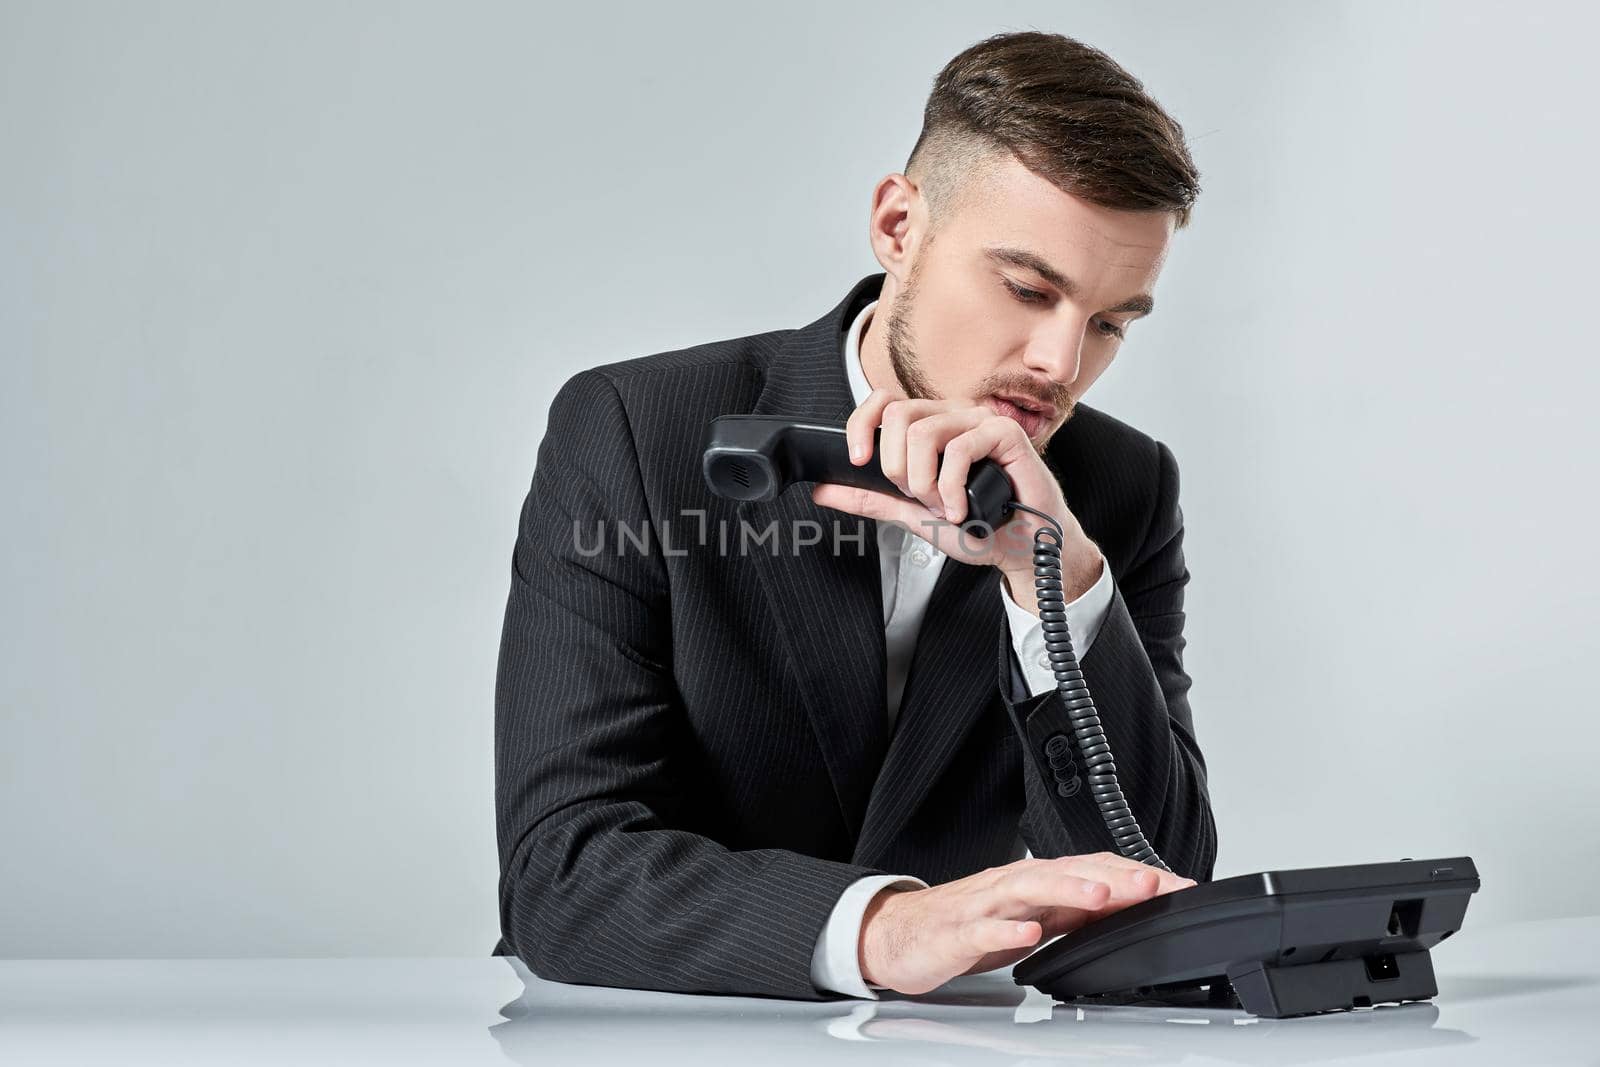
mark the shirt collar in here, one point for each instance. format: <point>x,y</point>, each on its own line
<point>859,386</point>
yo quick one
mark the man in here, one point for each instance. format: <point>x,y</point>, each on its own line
<point>797,770</point>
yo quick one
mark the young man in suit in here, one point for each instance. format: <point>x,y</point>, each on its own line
<point>805,769</point>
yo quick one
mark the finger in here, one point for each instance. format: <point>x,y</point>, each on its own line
<point>1026,890</point>
<point>1128,884</point>
<point>991,436</point>
<point>1091,865</point>
<point>1142,885</point>
<point>926,438</point>
<point>983,936</point>
<point>869,503</point>
<point>959,454</point>
<point>898,415</point>
<point>1098,860</point>
<point>1123,885</point>
<point>859,427</point>
<point>1058,921</point>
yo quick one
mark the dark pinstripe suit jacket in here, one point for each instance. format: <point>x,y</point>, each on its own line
<point>692,758</point>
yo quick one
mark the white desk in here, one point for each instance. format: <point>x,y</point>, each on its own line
<point>1527,993</point>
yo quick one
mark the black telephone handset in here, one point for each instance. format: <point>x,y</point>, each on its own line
<point>755,457</point>
<point>1278,943</point>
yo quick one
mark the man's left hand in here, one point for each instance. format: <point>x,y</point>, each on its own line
<point>914,435</point>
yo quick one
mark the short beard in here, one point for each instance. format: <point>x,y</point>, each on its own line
<point>902,348</point>
<point>908,368</point>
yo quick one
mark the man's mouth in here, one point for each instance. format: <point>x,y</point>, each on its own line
<point>1032,415</point>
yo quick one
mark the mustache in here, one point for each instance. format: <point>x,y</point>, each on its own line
<point>1060,396</point>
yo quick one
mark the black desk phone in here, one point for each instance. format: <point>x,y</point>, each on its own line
<point>1276,943</point>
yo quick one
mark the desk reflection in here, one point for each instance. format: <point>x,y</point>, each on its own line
<point>983,1019</point>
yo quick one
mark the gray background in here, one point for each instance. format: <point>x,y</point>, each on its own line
<point>285,291</point>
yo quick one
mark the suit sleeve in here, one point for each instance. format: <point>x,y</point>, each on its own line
<point>598,884</point>
<point>1134,670</point>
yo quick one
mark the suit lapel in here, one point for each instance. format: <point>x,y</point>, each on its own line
<point>950,682</point>
<point>829,609</point>
<point>828,604</point>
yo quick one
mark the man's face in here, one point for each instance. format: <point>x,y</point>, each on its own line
<point>1023,298</point>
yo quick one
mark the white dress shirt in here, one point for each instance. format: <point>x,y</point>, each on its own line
<point>909,566</point>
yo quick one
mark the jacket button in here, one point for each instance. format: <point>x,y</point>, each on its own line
<point>1070,789</point>
<point>1057,744</point>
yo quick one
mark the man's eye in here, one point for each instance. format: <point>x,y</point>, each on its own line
<point>1110,329</point>
<point>1027,296</point>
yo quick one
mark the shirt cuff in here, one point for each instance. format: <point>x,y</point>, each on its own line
<point>1084,616</point>
<point>835,962</point>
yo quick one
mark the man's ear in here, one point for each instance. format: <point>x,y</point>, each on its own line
<point>895,225</point>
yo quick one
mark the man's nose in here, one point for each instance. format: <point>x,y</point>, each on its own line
<point>1058,352</point>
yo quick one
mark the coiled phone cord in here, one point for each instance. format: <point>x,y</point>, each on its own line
<point>1100,768</point>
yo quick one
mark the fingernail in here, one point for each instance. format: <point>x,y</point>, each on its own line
<point>855,451</point>
<point>938,512</point>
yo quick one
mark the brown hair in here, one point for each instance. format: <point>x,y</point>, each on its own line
<point>1067,112</point>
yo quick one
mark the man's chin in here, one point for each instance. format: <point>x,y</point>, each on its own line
<point>1042,442</point>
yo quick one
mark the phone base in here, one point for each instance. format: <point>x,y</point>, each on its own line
<point>1276,991</point>
<point>1274,943</point>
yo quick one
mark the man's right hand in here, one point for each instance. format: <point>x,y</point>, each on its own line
<point>913,941</point>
